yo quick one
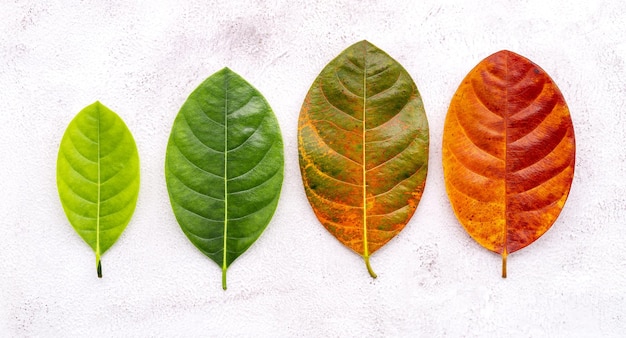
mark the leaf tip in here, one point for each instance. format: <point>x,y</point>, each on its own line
<point>226,71</point>
<point>507,54</point>
<point>365,43</point>
<point>97,106</point>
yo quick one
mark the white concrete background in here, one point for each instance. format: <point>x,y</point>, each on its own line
<point>143,58</point>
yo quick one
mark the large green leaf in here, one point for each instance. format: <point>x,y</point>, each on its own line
<point>224,167</point>
<point>98,176</point>
<point>363,144</point>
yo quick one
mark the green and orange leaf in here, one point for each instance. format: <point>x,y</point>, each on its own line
<point>363,145</point>
<point>508,153</point>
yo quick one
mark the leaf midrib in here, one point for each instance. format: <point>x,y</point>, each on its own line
<point>224,265</point>
<point>363,167</point>
<point>98,199</point>
<point>506,167</point>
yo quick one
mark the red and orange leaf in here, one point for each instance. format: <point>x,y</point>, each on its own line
<point>363,145</point>
<point>508,153</point>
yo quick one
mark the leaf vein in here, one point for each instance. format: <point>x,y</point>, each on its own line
<point>474,143</point>
<point>312,164</point>
<point>184,156</point>
<point>249,136</point>
<point>242,106</point>
<point>319,137</point>
<point>389,213</point>
<point>126,187</point>
<point>565,167</point>
<point>200,112</point>
<point>85,135</point>
<point>388,88</point>
<point>535,209</point>
<point>467,195</point>
<point>193,132</point>
<point>400,182</point>
<point>394,156</point>
<point>482,103</point>
<point>255,211</point>
<point>335,125</point>
<point>191,188</point>
<point>536,126</point>
<point>67,207</point>
<point>391,118</point>
<point>195,213</point>
<point>321,89</point>
<point>343,85</point>
<point>256,186</point>
<point>71,165</point>
<point>257,164</point>
<point>205,239</point>
<point>466,167</point>
<point>384,69</point>
<point>77,151</point>
<point>306,184</point>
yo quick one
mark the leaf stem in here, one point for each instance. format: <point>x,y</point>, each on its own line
<point>224,277</point>
<point>98,266</point>
<point>369,267</point>
<point>504,254</point>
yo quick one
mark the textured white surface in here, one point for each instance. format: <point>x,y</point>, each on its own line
<point>142,59</point>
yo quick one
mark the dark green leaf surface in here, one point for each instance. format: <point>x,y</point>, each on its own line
<point>224,167</point>
<point>98,176</point>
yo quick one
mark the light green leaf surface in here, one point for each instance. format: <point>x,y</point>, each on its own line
<point>98,177</point>
<point>224,167</point>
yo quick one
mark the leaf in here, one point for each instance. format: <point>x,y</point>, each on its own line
<point>224,167</point>
<point>508,153</point>
<point>363,144</point>
<point>98,177</point>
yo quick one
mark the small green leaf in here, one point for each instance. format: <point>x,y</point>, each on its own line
<point>224,167</point>
<point>98,177</point>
